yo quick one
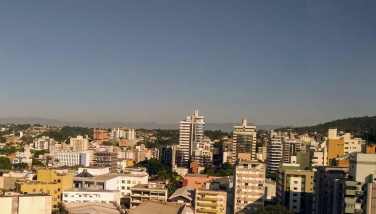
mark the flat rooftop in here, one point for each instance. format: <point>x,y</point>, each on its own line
<point>151,207</point>
<point>146,186</point>
<point>88,190</point>
<point>90,208</point>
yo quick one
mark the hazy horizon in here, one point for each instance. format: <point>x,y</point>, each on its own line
<point>294,63</point>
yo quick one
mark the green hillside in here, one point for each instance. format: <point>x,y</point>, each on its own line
<point>364,127</point>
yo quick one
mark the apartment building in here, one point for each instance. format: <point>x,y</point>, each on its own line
<point>243,141</point>
<point>168,154</point>
<point>23,157</point>
<point>295,189</point>
<point>227,151</point>
<point>26,204</point>
<point>148,192</point>
<point>249,187</point>
<point>100,135</point>
<point>106,159</point>
<point>326,185</point>
<point>91,195</point>
<point>123,133</point>
<point>191,131</point>
<point>210,200</point>
<point>202,154</point>
<point>49,182</point>
<point>262,153</point>
<point>43,143</point>
<point>79,143</point>
<point>275,153</point>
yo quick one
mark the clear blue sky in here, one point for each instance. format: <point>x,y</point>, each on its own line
<point>274,62</point>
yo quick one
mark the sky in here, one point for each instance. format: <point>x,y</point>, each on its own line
<point>274,62</point>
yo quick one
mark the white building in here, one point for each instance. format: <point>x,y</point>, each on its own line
<point>72,158</point>
<point>91,195</point>
<point>97,177</point>
<point>43,143</point>
<point>352,144</point>
<point>244,141</point>
<point>274,155</point>
<point>127,181</point>
<point>123,132</point>
<point>23,157</point>
<point>191,131</point>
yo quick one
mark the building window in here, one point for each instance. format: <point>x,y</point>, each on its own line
<point>295,188</point>
<point>133,182</point>
<point>128,182</point>
<point>295,182</point>
<point>123,181</point>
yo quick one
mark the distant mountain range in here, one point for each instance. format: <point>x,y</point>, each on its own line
<point>58,123</point>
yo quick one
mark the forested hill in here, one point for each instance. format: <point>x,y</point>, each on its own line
<point>359,126</point>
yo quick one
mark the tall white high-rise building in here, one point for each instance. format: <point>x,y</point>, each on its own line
<point>274,153</point>
<point>191,132</point>
<point>244,142</point>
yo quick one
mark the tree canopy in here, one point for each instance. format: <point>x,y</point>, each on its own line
<point>5,163</point>
<point>274,209</point>
<point>68,132</point>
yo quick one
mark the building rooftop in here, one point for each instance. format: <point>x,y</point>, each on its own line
<point>150,207</point>
<point>90,208</point>
<point>225,180</point>
<point>147,186</point>
<point>88,190</point>
<point>198,175</point>
<point>107,176</point>
<point>186,192</point>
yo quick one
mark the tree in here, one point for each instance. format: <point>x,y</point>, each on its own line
<point>272,176</point>
<point>38,152</point>
<point>154,166</point>
<point>2,139</point>
<point>36,162</point>
<point>227,169</point>
<point>274,209</point>
<point>5,163</point>
<point>208,170</point>
<point>20,166</point>
<point>107,143</point>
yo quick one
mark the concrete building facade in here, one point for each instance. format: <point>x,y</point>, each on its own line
<point>249,187</point>
<point>243,141</point>
<point>191,131</point>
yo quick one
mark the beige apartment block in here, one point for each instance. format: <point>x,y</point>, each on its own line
<point>210,201</point>
<point>26,204</point>
<point>249,187</point>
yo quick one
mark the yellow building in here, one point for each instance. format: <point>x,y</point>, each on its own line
<point>336,148</point>
<point>49,182</point>
<point>128,162</point>
<point>210,201</point>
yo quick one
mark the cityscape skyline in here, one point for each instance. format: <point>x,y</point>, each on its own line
<point>298,63</point>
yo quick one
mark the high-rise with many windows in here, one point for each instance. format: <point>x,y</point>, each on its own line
<point>244,142</point>
<point>249,180</point>
<point>191,132</point>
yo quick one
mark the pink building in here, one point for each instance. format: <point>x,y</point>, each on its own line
<point>197,180</point>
